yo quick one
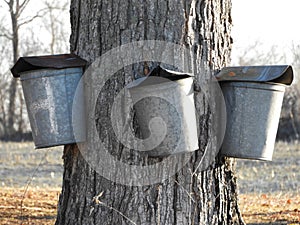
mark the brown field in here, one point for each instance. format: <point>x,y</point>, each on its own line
<point>38,206</point>
<point>270,209</point>
<point>270,191</point>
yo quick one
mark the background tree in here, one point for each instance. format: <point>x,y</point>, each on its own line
<point>16,8</point>
<point>57,25</point>
<point>5,50</point>
<point>289,126</point>
<point>191,196</point>
<point>18,38</point>
<point>257,53</point>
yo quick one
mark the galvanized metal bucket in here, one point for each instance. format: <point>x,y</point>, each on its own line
<point>49,83</point>
<point>253,96</point>
<point>166,108</point>
<point>49,97</point>
<point>253,112</point>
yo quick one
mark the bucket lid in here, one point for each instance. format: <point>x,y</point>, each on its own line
<point>47,62</point>
<point>282,74</point>
<point>169,74</point>
<point>165,74</point>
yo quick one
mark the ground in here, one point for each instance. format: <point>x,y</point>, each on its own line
<point>30,185</point>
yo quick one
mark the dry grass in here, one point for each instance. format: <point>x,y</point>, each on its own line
<point>280,175</point>
<point>39,206</point>
<point>270,191</point>
<point>20,162</point>
<point>270,209</point>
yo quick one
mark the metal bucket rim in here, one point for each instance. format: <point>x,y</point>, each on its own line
<point>35,74</point>
<point>55,144</point>
<point>162,86</point>
<point>268,86</point>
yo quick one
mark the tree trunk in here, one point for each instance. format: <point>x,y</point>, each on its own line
<point>191,196</point>
<point>14,83</point>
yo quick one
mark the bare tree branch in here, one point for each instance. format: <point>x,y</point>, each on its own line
<point>17,7</point>
<point>29,20</point>
<point>23,6</point>
<point>4,31</point>
<point>7,2</point>
<point>38,15</point>
<point>9,37</point>
<point>295,49</point>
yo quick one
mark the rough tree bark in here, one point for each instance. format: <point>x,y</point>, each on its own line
<point>198,197</point>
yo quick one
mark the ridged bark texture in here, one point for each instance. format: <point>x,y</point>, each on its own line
<point>191,196</point>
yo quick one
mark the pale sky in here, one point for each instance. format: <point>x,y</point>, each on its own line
<point>272,22</point>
